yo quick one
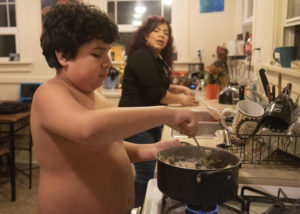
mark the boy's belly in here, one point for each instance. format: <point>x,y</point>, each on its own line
<point>101,182</point>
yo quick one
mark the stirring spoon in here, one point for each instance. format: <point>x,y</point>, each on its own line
<point>196,141</point>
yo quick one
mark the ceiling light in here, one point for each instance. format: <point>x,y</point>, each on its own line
<point>140,9</point>
<point>167,2</point>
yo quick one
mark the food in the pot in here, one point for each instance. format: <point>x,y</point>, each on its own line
<point>204,161</point>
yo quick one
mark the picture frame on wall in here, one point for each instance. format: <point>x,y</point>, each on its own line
<point>207,6</point>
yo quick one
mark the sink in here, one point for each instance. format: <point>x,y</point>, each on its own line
<point>207,126</point>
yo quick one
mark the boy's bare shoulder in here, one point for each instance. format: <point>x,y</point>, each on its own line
<point>52,86</point>
<point>51,91</point>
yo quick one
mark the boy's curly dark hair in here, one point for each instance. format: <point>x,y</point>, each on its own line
<point>68,26</point>
<point>139,38</point>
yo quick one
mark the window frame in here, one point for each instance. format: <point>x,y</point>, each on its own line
<point>289,25</point>
<point>10,30</point>
<point>128,28</point>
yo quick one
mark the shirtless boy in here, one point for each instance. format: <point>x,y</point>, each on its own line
<point>85,166</point>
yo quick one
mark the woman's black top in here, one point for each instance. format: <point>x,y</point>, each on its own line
<point>145,81</point>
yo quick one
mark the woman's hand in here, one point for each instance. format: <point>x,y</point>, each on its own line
<point>188,101</point>
<point>178,89</point>
<point>188,91</point>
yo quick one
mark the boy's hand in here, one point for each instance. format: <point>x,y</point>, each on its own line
<point>164,144</point>
<point>185,121</point>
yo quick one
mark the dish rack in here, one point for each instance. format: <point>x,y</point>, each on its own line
<point>271,148</point>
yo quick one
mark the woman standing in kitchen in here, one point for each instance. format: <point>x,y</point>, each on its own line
<point>147,82</point>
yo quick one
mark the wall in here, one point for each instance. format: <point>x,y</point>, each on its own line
<point>192,31</point>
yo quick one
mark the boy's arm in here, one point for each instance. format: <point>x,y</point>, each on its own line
<point>146,152</point>
<point>59,112</point>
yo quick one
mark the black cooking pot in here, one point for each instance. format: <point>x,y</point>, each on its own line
<point>216,183</point>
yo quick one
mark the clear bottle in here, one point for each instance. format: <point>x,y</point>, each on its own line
<point>121,74</point>
<point>248,45</point>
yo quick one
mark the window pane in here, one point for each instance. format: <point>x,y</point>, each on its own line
<point>111,9</point>
<point>3,16</point>
<point>7,45</point>
<point>167,13</point>
<point>293,8</point>
<point>12,15</point>
<point>250,8</point>
<point>297,40</point>
<point>2,0</point>
<point>125,39</point>
<point>126,10</point>
<point>11,0</point>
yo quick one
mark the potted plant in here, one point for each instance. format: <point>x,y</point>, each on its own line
<point>216,76</point>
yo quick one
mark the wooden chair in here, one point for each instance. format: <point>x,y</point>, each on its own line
<point>4,152</point>
<point>24,143</point>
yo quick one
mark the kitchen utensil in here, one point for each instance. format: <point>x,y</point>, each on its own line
<point>211,110</point>
<point>286,55</point>
<point>264,80</point>
<point>196,141</point>
<point>237,74</point>
<point>278,113</point>
<point>273,92</point>
<point>279,83</point>
<point>246,120</point>
<point>198,186</point>
<point>269,93</point>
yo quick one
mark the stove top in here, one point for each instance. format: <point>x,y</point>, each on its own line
<point>253,199</point>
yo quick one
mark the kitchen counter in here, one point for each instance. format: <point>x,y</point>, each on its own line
<point>262,174</point>
<point>111,93</point>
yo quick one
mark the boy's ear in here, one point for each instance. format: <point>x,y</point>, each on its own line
<point>60,58</point>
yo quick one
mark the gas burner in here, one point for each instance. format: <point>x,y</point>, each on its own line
<point>280,204</point>
<point>196,209</point>
<point>251,200</point>
<point>171,206</point>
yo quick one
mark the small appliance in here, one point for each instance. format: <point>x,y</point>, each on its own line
<point>234,91</point>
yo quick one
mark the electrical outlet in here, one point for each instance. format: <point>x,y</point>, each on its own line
<point>195,53</point>
<point>199,53</point>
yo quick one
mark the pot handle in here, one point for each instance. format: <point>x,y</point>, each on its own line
<point>226,174</point>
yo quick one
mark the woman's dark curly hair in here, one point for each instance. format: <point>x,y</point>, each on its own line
<point>139,38</point>
<point>68,26</point>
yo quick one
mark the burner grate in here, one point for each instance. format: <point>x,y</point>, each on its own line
<point>281,203</point>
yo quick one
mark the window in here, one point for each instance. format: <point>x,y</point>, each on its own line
<point>8,29</point>
<point>292,25</point>
<point>129,14</point>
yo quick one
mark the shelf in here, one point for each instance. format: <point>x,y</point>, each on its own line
<point>16,66</point>
<point>285,71</point>
<point>22,62</point>
<point>179,62</point>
